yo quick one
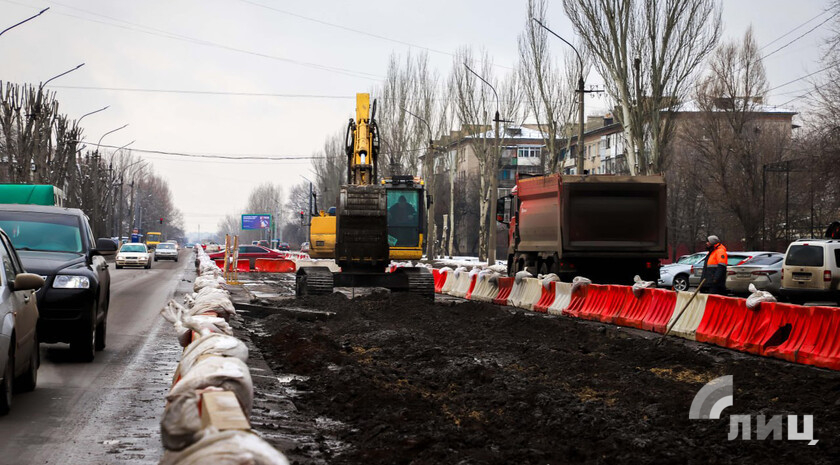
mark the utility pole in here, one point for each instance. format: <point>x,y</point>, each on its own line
<point>428,176</point>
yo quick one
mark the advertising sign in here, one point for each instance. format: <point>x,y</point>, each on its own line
<point>256,221</point>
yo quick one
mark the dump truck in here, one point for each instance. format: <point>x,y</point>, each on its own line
<point>32,194</point>
<point>606,228</point>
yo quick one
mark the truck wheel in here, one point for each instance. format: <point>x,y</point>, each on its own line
<point>7,388</point>
<point>681,283</point>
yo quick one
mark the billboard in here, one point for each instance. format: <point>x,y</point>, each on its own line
<point>256,221</point>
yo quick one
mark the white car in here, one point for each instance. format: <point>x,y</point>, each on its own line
<point>166,251</point>
<point>675,275</point>
<point>134,254</point>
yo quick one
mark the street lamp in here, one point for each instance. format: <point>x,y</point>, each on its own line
<point>94,111</point>
<point>59,75</point>
<point>580,92</point>
<point>25,20</point>
<point>428,167</point>
<point>99,144</point>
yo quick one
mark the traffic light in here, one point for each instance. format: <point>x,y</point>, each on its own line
<point>161,221</point>
<point>301,215</point>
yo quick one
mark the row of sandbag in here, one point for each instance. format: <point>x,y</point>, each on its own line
<point>212,360</point>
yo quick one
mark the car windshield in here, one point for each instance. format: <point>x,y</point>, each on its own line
<point>804,255</point>
<point>166,246</point>
<point>764,260</point>
<point>133,248</point>
<point>47,232</point>
<point>690,259</point>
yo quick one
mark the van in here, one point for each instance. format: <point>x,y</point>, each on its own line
<point>811,270</point>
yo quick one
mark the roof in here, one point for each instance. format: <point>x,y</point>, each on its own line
<point>512,132</point>
<point>691,106</point>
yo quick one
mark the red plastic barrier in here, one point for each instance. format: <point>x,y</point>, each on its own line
<point>546,298</point>
<point>473,280</point>
<point>274,265</point>
<point>633,313</point>
<point>821,344</point>
<point>243,265</point>
<point>600,303</point>
<point>651,311</point>
<point>436,275</point>
<point>800,320</point>
<point>220,264</point>
<point>505,286</point>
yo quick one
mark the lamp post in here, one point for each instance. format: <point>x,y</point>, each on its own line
<point>581,92</point>
<point>79,121</point>
<point>25,20</point>
<point>98,144</point>
<point>429,176</point>
<point>309,213</point>
<point>494,179</point>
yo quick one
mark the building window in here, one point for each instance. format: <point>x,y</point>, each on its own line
<point>528,152</point>
<point>608,142</point>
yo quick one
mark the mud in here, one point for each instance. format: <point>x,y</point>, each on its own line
<point>394,380</point>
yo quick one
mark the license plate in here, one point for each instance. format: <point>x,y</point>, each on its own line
<point>802,276</point>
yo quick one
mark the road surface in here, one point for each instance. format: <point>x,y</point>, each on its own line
<point>108,411</point>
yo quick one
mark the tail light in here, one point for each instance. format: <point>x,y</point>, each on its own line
<point>648,265</point>
<point>827,276</point>
<point>500,218</point>
<point>731,273</point>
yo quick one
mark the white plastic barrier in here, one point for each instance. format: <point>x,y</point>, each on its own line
<point>449,284</point>
<point>462,284</point>
<point>525,293</point>
<point>300,263</point>
<point>686,326</point>
<point>486,288</point>
<point>562,298</point>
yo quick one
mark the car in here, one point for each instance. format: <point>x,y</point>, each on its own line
<point>19,347</point>
<point>251,252</point>
<point>304,247</point>
<point>166,251</point>
<point>734,259</point>
<point>811,271</point>
<point>263,243</point>
<point>134,254</point>
<point>57,244</point>
<point>213,247</point>
<point>675,275</point>
<point>284,246</point>
<point>764,271</point>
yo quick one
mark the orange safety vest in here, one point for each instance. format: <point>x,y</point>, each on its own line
<point>718,256</point>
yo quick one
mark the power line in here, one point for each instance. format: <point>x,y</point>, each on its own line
<point>205,92</point>
<point>791,31</point>
<point>801,35</point>
<point>803,77</point>
<point>210,156</point>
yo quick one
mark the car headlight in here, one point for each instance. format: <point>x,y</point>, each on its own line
<point>120,257</point>
<point>71,282</point>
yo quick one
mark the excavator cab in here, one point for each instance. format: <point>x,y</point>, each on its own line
<point>406,216</point>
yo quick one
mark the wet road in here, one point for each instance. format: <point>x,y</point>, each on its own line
<point>108,411</point>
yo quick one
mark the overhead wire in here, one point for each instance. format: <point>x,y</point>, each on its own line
<point>801,36</point>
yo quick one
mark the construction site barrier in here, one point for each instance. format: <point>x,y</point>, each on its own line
<point>449,283</point>
<point>599,302</point>
<point>441,279</point>
<point>526,293</point>
<point>463,284</point>
<point>562,298</point>
<point>220,264</point>
<point>821,345</point>
<point>274,265</point>
<point>790,331</point>
<point>505,287</point>
<point>303,262</point>
<point>486,289</point>
<point>650,311</point>
<point>243,265</point>
<point>546,298</point>
<point>473,280</point>
<point>689,320</point>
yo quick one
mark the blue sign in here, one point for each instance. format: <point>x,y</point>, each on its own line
<point>136,237</point>
<point>256,221</point>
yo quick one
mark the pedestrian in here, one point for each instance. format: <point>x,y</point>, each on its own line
<point>714,267</point>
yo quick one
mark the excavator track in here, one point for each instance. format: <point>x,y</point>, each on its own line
<point>420,282</point>
<point>313,280</point>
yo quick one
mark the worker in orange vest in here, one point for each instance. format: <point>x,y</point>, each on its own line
<point>714,267</point>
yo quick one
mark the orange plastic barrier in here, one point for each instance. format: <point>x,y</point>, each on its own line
<point>791,331</point>
<point>546,299</point>
<point>723,315</point>
<point>243,265</point>
<point>275,265</point>
<point>651,311</point>
<point>821,344</point>
<point>220,264</point>
<point>436,276</point>
<point>505,286</point>
<point>472,286</point>
<point>600,303</point>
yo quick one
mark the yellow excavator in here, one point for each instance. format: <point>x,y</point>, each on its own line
<point>362,239</point>
<point>405,231</point>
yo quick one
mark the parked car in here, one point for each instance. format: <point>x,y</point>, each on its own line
<point>166,251</point>
<point>19,351</point>
<point>284,246</point>
<point>675,275</point>
<point>735,259</point>
<point>304,247</point>
<point>764,271</point>
<point>811,270</point>
<point>57,244</point>
<point>134,254</point>
<point>251,252</point>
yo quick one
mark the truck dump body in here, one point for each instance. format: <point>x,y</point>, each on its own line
<point>562,217</point>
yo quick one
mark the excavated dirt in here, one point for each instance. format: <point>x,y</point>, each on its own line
<point>395,380</point>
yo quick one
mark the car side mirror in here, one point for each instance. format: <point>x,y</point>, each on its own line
<point>103,244</point>
<point>27,282</point>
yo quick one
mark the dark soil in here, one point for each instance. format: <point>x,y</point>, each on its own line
<point>470,383</point>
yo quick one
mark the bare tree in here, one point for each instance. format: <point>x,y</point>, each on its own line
<point>647,51</point>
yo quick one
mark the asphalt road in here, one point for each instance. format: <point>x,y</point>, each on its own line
<point>108,411</point>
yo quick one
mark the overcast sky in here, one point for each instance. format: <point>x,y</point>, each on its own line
<point>311,57</point>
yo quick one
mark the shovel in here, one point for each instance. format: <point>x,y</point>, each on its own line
<point>679,315</point>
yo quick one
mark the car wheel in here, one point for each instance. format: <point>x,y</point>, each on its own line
<point>119,267</point>
<point>681,283</point>
<point>99,338</point>
<point>155,258</point>
<point>30,378</point>
<point>7,388</point>
<point>176,259</point>
<point>84,346</point>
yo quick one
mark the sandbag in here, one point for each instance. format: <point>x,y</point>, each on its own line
<point>638,285</point>
<point>216,302</point>
<point>222,345</point>
<point>184,322</point>
<point>226,448</point>
<point>181,421</point>
<point>551,277</point>
<point>757,297</point>
<point>205,281</point>
<point>521,275</point>
<point>580,282</point>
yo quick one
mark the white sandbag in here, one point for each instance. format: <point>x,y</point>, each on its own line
<point>638,285</point>
<point>172,312</point>
<point>205,281</point>
<point>181,423</point>
<point>757,297</point>
<point>226,448</point>
<point>521,275</point>
<point>222,345</point>
<point>551,277</point>
<point>216,302</point>
<point>580,282</point>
